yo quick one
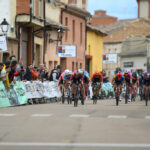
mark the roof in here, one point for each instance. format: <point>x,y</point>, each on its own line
<point>135,52</point>
<point>96,29</point>
<point>75,9</point>
<point>54,24</point>
<point>121,30</point>
<point>117,25</point>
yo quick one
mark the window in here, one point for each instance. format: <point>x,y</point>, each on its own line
<point>66,33</point>
<point>76,65</point>
<point>40,9</point>
<point>72,66</point>
<point>81,30</point>
<point>80,65</point>
<point>128,64</point>
<point>73,30</point>
<point>50,65</point>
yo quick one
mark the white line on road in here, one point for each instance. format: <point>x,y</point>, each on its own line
<point>147,117</point>
<point>117,117</point>
<point>107,145</point>
<point>7,115</point>
<point>79,116</point>
<point>42,115</point>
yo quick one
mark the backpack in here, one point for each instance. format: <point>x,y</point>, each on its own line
<point>51,75</point>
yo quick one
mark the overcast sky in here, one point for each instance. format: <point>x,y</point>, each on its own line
<point>123,9</point>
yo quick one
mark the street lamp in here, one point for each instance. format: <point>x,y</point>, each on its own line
<point>4,26</point>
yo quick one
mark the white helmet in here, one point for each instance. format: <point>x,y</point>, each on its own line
<point>80,71</point>
<point>67,72</point>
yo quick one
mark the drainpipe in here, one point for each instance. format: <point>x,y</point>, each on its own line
<point>85,44</point>
<point>44,33</point>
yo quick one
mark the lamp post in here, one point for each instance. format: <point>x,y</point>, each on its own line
<point>4,26</point>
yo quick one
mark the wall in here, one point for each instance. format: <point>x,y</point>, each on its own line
<point>139,62</point>
<point>144,9</point>
<point>5,11</point>
<point>103,21</point>
<point>80,47</point>
<point>113,48</point>
<point>51,51</point>
<point>95,49</point>
<point>52,12</point>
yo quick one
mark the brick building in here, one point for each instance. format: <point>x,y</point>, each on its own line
<point>30,18</point>
<point>143,8</point>
<point>101,18</point>
<point>75,19</point>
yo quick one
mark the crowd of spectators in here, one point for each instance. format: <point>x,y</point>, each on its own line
<point>14,71</point>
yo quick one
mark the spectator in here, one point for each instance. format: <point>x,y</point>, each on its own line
<point>28,75</point>
<point>13,71</point>
<point>55,74</point>
<point>22,74</point>
<point>35,73</point>
<point>2,72</point>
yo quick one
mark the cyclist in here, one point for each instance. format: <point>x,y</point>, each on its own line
<point>97,78</point>
<point>77,78</point>
<point>135,80</point>
<point>145,82</point>
<point>128,82</point>
<point>86,82</point>
<point>64,80</point>
<point>118,80</point>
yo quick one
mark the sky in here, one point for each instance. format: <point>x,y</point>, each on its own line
<point>123,9</point>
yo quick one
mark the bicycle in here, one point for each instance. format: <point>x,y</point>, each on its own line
<point>96,95</point>
<point>147,95</point>
<point>69,99</point>
<point>133,93</point>
<point>127,94</point>
<point>117,95</point>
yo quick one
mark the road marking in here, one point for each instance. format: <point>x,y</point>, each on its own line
<point>79,116</point>
<point>42,115</point>
<point>107,145</point>
<point>147,117</point>
<point>117,117</point>
<point>7,115</point>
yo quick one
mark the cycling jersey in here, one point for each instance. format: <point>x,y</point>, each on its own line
<point>76,78</point>
<point>135,77</point>
<point>128,78</point>
<point>118,79</point>
<point>146,80</point>
<point>97,78</point>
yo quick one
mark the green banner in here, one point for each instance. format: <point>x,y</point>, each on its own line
<point>14,96</point>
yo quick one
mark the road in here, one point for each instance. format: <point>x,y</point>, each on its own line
<point>62,127</point>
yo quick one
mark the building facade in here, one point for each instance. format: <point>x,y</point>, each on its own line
<point>116,39</point>
<point>94,52</point>
<point>101,18</point>
<point>143,8</point>
<point>75,19</point>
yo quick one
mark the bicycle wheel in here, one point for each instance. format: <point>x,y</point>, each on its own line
<point>63,96</point>
<point>146,98</point>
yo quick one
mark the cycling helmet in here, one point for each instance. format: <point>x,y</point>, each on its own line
<point>145,73</point>
<point>118,70</point>
<point>67,72</point>
<point>97,73</point>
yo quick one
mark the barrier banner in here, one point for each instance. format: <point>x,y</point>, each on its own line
<point>13,96</point>
<point>37,89</point>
